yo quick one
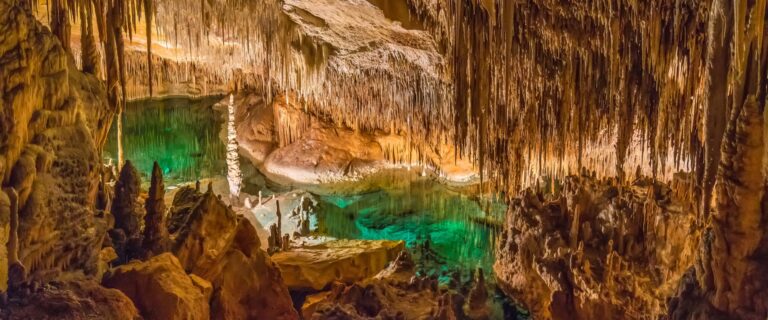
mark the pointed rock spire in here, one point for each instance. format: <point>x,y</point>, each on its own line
<point>155,232</point>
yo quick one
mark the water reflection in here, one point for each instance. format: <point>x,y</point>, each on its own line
<point>181,134</point>
<point>441,225</point>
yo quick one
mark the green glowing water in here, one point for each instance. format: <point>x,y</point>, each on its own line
<point>181,134</point>
<point>418,210</point>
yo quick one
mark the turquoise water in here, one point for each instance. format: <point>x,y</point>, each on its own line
<point>423,213</point>
<point>446,228</point>
<point>181,134</point>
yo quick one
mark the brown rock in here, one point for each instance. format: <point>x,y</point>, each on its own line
<point>161,289</point>
<point>75,298</point>
<point>206,234</point>
<point>50,150</point>
<point>128,214</point>
<point>217,245</point>
<point>632,248</point>
<point>315,267</point>
<point>126,207</point>
<point>155,232</point>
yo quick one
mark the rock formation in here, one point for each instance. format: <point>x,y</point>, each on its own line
<point>50,129</point>
<point>129,214</point>
<point>598,249</point>
<point>315,267</point>
<point>72,298</point>
<point>155,231</point>
<point>395,293</point>
<point>161,289</point>
<point>214,243</point>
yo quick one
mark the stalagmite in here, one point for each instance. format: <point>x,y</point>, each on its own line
<point>148,12</point>
<point>126,234</point>
<point>234,176</point>
<point>628,137</point>
<point>479,294</point>
<point>155,232</point>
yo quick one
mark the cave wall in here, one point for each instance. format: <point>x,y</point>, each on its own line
<point>52,122</point>
<point>681,84</point>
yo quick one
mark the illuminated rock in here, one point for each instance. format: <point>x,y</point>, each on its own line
<point>315,267</point>
<point>597,249</point>
<point>223,248</point>
<point>161,289</point>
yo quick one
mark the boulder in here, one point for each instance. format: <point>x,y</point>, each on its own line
<point>394,293</point>
<point>161,289</point>
<point>315,267</point>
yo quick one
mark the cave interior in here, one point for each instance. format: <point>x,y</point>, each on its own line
<point>383,159</point>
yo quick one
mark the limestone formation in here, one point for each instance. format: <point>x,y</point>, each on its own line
<point>155,231</point>
<point>315,267</point>
<point>394,293</point>
<point>631,247</point>
<point>478,297</point>
<point>161,289</point>
<point>50,121</point>
<point>129,214</point>
<point>526,94</point>
<point>275,237</point>
<point>214,243</point>
<point>72,298</point>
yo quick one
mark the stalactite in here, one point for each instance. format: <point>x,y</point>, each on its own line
<point>148,19</point>
<point>715,112</point>
<point>89,51</point>
<point>60,25</point>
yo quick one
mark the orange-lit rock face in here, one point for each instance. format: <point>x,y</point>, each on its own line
<point>293,144</point>
<point>316,267</point>
<point>599,250</point>
<point>224,249</point>
<point>53,122</point>
<point>161,289</point>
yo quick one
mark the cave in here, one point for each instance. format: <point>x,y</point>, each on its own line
<point>383,159</point>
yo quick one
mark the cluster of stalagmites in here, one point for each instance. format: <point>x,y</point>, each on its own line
<point>205,262</point>
<point>597,248</point>
<point>75,247</point>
